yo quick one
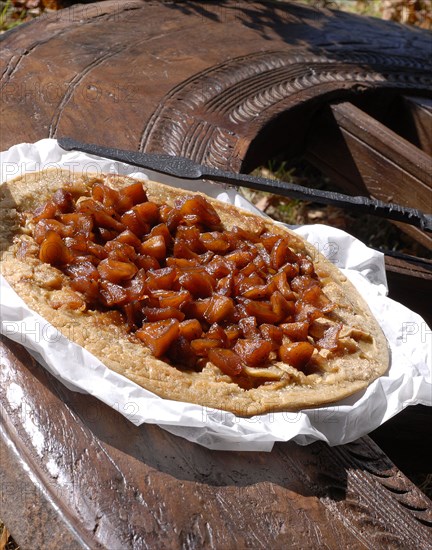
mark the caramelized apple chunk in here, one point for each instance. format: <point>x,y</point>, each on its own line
<point>116,271</point>
<point>196,209</point>
<point>158,336</point>
<point>226,360</point>
<point>297,355</point>
<point>53,250</point>
<point>254,352</point>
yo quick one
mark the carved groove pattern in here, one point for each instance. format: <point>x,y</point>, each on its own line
<point>243,94</point>
<point>387,476</point>
<point>366,493</point>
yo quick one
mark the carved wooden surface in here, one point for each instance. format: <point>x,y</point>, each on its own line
<point>99,72</point>
<point>246,93</point>
<point>216,82</point>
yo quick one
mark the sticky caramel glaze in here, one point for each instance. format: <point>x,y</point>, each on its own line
<point>188,289</point>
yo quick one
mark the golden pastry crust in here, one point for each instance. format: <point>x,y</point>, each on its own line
<point>47,291</point>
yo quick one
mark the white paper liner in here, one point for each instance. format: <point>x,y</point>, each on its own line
<point>408,381</point>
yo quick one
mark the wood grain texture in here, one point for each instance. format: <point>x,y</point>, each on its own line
<point>391,168</point>
<point>418,122</point>
<point>226,83</point>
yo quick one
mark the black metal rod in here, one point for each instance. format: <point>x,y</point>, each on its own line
<point>185,168</point>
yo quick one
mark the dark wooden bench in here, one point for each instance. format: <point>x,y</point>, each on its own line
<point>229,84</point>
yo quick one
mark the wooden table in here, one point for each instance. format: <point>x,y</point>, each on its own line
<point>229,85</point>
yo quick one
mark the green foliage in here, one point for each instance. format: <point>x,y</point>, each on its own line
<point>9,16</point>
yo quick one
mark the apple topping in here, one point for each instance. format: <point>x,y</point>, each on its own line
<point>190,290</point>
